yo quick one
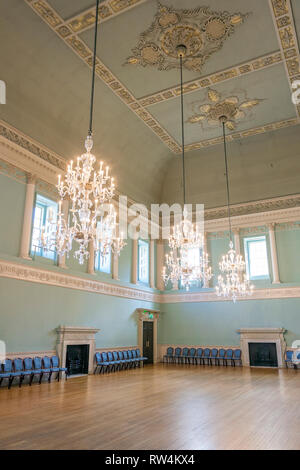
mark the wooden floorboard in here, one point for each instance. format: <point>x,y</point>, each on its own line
<point>158,407</point>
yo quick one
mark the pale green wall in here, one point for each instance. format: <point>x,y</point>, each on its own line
<point>29,314</point>
<point>215,323</point>
<point>12,197</point>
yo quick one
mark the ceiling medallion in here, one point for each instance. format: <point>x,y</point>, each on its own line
<point>234,107</point>
<point>201,30</point>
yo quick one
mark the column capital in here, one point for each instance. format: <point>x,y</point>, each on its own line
<point>31,178</point>
<point>271,226</point>
<point>236,230</point>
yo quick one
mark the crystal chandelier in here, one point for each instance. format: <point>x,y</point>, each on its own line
<point>234,282</point>
<point>183,264</point>
<point>92,215</point>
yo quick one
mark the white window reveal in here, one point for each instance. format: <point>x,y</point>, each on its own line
<point>143,261</point>
<point>44,218</point>
<point>256,257</point>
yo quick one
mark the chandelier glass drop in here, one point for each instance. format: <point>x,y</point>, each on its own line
<point>92,218</point>
<point>233,282</point>
<point>187,261</point>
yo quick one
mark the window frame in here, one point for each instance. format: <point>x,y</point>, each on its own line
<point>97,265</point>
<point>140,244</point>
<point>247,242</point>
<point>43,203</point>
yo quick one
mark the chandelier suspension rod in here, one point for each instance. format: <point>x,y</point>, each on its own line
<point>227,179</point>
<point>93,72</point>
<point>182,127</point>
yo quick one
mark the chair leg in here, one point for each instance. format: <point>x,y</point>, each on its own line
<point>11,379</point>
<point>41,376</point>
<point>57,377</point>
<point>21,380</point>
<point>49,378</point>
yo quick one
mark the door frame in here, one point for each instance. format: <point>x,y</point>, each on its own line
<point>144,314</point>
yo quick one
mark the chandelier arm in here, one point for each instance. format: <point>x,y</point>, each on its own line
<point>227,181</point>
<point>90,132</point>
<point>182,128</point>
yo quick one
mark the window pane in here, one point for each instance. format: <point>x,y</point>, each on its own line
<point>103,263</point>
<point>257,259</point>
<point>45,213</point>
<point>143,261</point>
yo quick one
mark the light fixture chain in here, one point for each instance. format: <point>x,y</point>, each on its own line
<point>94,69</point>
<point>182,129</point>
<point>227,181</point>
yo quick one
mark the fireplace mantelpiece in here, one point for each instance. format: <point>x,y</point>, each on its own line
<point>262,335</point>
<point>76,335</point>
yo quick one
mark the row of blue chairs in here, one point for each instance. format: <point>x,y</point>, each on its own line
<point>289,356</point>
<point>117,360</point>
<point>30,367</point>
<point>203,356</point>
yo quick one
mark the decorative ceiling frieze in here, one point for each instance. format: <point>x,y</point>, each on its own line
<point>202,30</point>
<point>236,108</point>
<point>243,134</point>
<point>286,32</point>
<point>210,80</point>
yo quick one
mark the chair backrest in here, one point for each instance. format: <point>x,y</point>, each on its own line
<point>55,361</point>
<point>199,352</point>
<point>177,351</point>
<point>237,354</point>
<point>98,357</point>
<point>7,366</point>
<point>18,364</point>
<point>138,353</point>
<point>134,354</point>
<point>120,355</point>
<point>115,354</point>
<point>28,363</point>
<point>221,352</point>
<point>192,351</point>
<point>170,351</point>
<point>47,362</point>
<point>185,351</point>
<point>37,362</point>
<point>104,356</point>
<point>289,355</point>
<point>110,356</point>
<point>298,356</point>
<point>229,353</point>
<point>214,352</point>
<point>206,352</point>
<point>129,352</point>
<point>125,354</point>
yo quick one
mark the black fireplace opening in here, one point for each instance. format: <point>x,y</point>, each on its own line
<point>77,360</point>
<point>263,354</point>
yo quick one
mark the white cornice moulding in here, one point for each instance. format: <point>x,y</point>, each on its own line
<point>258,294</point>
<point>43,276</point>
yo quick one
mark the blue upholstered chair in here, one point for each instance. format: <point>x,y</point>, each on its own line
<point>126,359</point>
<point>46,363</point>
<point>17,372</point>
<point>98,360</point>
<point>191,356</point>
<point>288,357</point>
<point>221,357</point>
<point>5,370</point>
<point>106,364</point>
<point>199,356</point>
<point>116,360</point>
<point>229,356</point>
<point>169,356</point>
<point>139,357</point>
<point>132,361</point>
<point>237,356</point>
<point>112,365</point>
<point>177,355</point>
<point>55,364</point>
<point>37,362</point>
<point>206,356</point>
<point>28,366</point>
<point>135,358</point>
<point>214,355</point>
<point>184,356</point>
<point>123,362</point>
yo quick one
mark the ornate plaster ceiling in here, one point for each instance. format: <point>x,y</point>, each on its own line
<point>243,50</point>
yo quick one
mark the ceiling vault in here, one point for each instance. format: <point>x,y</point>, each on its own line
<point>69,30</point>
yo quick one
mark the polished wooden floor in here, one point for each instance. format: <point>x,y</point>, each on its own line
<point>158,407</point>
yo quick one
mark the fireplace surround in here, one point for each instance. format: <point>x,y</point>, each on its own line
<point>262,335</point>
<point>76,335</point>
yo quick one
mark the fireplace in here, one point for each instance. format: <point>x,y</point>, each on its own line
<point>77,359</point>
<point>263,354</point>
